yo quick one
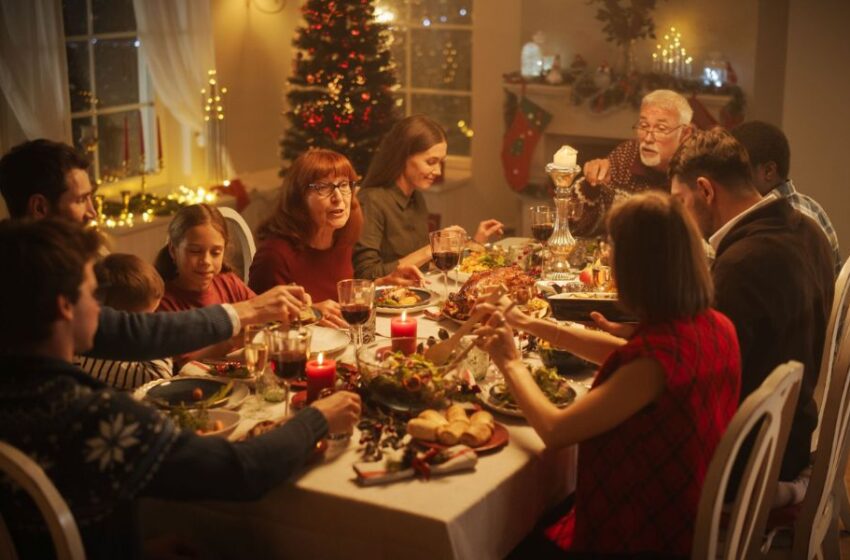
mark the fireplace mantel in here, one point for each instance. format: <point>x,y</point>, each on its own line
<point>577,124</point>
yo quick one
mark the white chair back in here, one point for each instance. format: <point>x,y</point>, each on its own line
<point>241,237</point>
<point>833,334</point>
<point>60,522</point>
<point>816,527</point>
<point>767,413</point>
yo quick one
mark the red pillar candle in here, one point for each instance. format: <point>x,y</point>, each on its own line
<point>321,374</point>
<point>158,143</point>
<point>141,139</point>
<point>404,327</point>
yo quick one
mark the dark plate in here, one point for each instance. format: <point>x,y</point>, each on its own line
<point>423,297</point>
<point>575,307</point>
<point>565,362</point>
<point>178,391</point>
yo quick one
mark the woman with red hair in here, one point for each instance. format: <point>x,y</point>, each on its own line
<point>309,237</point>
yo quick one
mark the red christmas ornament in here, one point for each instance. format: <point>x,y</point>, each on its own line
<point>365,96</point>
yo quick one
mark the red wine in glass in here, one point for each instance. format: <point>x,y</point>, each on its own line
<point>542,232</point>
<point>290,365</point>
<point>356,314</point>
<point>446,260</point>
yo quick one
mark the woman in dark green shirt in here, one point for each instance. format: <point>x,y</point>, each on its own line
<point>395,230</point>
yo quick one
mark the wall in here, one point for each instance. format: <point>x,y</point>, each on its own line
<point>254,57</point>
<point>815,116</point>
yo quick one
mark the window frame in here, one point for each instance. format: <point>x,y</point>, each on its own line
<point>153,174</point>
<point>406,24</point>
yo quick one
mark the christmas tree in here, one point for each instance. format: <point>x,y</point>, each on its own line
<point>340,94</point>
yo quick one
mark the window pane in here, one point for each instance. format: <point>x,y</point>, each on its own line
<point>116,131</point>
<point>453,112</point>
<point>79,78</point>
<point>84,135</point>
<point>441,59</point>
<point>397,49</point>
<point>116,68</point>
<point>110,16</point>
<point>427,12</point>
<point>74,17</point>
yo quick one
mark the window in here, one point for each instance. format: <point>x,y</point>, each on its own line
<point>112,112</point>
<point>432,47</point>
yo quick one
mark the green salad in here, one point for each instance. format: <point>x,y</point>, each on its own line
<point>411,380</point>
<point>555,387</point>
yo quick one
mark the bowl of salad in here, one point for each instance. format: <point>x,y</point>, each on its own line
<point>395,373</point>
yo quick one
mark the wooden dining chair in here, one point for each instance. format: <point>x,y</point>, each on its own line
<point>244,246</point>
<point>813,529</point>
<point>26,473</point>
<point>733,533</point>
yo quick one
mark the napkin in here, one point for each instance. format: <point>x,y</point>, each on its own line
<point>431,463</point>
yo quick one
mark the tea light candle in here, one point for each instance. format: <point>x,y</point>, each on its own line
<point>321,374</point>
<point>403,327</point>
<point>565,157</point>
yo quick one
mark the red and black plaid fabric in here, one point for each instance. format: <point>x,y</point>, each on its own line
<point>639,484</point>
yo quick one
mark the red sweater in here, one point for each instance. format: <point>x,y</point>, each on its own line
<point>318,270</point>
<point>639,484</point>
<point>225,288</point>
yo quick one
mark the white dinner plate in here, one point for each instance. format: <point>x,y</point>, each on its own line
<point>328,340</point>
<point>239,393</point>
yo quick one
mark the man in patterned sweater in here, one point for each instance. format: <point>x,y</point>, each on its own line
<point>635,165</point>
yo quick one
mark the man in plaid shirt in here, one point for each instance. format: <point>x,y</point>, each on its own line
<point>770,158</point>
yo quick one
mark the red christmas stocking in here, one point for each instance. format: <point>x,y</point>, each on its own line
<point>519,141</point>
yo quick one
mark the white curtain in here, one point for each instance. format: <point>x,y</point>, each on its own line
<point>33,71</point>
<point>177,42</point>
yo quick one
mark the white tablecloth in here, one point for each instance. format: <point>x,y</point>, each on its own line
<point>325,514</point>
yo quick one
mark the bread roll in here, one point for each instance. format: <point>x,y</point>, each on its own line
<point>451,432</point>
<point>476,434</point>
<point>482,417</point>
<point>433,416</point>
<point>456,412</point>
<point>423,429</point>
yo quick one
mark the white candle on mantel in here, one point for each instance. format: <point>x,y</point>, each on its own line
<point>565,157</point>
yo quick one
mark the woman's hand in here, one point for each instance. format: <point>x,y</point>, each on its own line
<point>404,275</point>
<point>331,314</point>
<point>497,338</point>
<point>487,229</point>
<point>505,306</point>
<point>281,303</point>
<point>621,330</point>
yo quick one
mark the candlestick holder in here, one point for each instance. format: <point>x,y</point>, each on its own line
<point>556,264</point>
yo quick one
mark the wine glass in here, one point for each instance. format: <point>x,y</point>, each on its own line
<point>542,223</point>
<point>446,246</point>
<point>357,299</point>
<point>256,349</point>
<point>290,349</point>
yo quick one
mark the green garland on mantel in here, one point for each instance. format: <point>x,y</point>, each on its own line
<point>631,89</point>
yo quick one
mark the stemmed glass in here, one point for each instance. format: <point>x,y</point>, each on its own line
<point>542,223</point>
<point>446,247</point>
<point>256,349</point>
<point>357,299</point>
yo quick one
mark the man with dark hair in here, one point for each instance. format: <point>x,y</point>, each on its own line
<point>770,160</point>
<point>101,448</point>
<point>44,178</point>
<point>773,276</point>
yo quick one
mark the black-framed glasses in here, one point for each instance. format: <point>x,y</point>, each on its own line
<point>326,189</point>
<point>659,130</point>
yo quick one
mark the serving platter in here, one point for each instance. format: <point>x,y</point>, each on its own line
<point>499,439</point>
<point>577,306</point>
<point>179,391</point>
<point>486,397</point>
<point>424,298</point>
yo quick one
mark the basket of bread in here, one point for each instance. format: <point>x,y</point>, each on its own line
<point>454,426</point>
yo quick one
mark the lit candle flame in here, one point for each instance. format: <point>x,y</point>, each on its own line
<point>321,358</point>
<point>404,316</point>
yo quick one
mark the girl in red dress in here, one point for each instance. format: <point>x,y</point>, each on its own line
<point>660,402</point>
<point>192,265</point>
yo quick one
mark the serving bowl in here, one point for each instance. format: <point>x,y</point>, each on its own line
<point>404,382</point>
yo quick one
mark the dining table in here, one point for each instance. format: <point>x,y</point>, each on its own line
<point>322,512</point>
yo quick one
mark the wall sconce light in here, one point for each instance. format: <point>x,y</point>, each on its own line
<point>267,6</point>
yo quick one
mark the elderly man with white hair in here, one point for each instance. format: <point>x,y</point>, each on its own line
<point>635,165</point>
